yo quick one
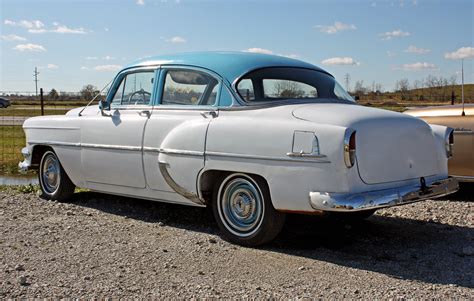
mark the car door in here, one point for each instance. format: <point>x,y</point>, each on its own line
<point>112,142</point>
<point>175,135</point>
<point>462,162</point>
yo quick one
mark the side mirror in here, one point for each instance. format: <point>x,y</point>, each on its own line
<point>103,105</point>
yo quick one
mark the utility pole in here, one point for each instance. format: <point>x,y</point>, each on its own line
<point>35,74</point>
<point>462,87</point>
<point>347,78</point>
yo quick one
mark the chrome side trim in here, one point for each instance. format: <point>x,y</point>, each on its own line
<point>107,146</point>
<point>463,131</point>
<point>464,178</point>
<point>163,166</point>
<point>305,155</point>
<point>257,157</point>
<point>347,202</point>
<point>173,151</point>
<point>55,143</point>
<point>51,127</point>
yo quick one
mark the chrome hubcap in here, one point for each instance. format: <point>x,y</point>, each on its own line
<point>241,206</point>
<point>50,173</point>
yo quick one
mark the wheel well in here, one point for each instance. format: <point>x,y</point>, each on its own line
<point>210,178</point>
<point>37,154</point>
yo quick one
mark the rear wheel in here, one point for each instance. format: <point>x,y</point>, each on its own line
<point>244,212</point>
<point>54,182</point>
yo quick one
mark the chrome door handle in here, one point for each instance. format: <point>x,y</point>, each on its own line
<point>213,114</point>
<point>144,113</point>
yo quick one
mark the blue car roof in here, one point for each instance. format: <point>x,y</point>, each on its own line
<point>229,65</point>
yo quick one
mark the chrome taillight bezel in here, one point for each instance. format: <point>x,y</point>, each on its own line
<point>449,142</point>
<point>350,147</point>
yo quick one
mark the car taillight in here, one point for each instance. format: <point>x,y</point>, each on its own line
<point>449,140</point>
<point>350,147</point>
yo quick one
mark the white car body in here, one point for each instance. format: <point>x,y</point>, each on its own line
<point>173,153</point>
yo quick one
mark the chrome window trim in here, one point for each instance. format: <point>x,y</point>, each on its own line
<point>120,76</point>
<point>165,68</point>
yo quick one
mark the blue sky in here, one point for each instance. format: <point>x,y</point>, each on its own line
<point>74,43</point>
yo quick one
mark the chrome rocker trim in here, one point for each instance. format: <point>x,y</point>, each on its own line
<point>340,202</point>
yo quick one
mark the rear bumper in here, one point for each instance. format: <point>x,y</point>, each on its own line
<point>382,198</point>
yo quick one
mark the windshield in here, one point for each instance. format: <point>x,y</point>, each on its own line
<point>276,84</point>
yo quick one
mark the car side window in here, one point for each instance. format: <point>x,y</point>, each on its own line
<point>189,87</point>
<point>246,89</point>
<point>135,89</point>
<point>282,88</point>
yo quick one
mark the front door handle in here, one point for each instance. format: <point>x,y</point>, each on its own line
<point>144,113</point>
<point>213,114</point>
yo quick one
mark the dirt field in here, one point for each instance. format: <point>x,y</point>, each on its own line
<point>104,246</point>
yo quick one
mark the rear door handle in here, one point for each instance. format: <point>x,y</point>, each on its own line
<point>144,113</point>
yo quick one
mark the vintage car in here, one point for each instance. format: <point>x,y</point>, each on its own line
<point>461,165</point>
<point>253,136</point>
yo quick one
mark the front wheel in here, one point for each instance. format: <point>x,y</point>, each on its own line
<point>244,212</point>
<point>54,182</point>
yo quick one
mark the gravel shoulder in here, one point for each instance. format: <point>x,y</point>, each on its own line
<point>107,246</point>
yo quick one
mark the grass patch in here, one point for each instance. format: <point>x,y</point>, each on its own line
<point>12,140</point>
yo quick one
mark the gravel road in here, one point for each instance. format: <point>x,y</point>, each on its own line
<point>107,246</point>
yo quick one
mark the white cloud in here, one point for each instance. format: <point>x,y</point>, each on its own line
<point>414,49</point>
<point>29,47</point>
<point>267,51</point>
<point>140,2</point>
<point>177,40</point>
<point>417,67</point>
<point>52,66</point>
<point>340,61</point>
<point>12,37</point>
<point>461,53</point>
<point>108,58</point>
<point>65,29</point>
<point>259,50</point>
<point>106,29</point>
<point>394,34</point>
<point>91,58</point>
<point>338,26</point>
<point>107,68</point>
<point>33,24</point>
<point>84,68</point>
<point>59,29</point>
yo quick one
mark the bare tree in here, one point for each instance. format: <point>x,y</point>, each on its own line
<point>359,87</point>
<point>403,87</point>
<point>53,94</point>
<point>88,92</point>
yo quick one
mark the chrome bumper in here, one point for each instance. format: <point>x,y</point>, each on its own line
<point>25,164</point>
<point>381,198</point>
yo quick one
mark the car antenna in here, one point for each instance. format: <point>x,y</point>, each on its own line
<point>93,98</point>
<point>462,87</point>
